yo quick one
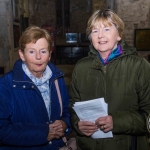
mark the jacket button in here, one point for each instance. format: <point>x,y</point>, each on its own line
<point>24,86</point>
<point>32,86</point>
<point>50,142</point>
<point>14,85</point>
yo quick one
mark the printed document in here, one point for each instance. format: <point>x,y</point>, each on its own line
<point>90,111</point>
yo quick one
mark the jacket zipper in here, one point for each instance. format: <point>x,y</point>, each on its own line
<point>105,83</point>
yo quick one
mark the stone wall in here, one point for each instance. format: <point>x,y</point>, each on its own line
<point>41,12</point>
<point>80,11</point>
<point>6,35</point>
<point>136,15</point>
<point>99,4</point>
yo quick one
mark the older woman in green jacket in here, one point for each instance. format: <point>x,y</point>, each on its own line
<point>114,71</point>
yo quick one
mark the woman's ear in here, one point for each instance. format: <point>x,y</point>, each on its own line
<point>21,55</point>
<point>118,38</point>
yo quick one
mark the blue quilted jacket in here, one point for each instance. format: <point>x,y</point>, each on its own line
<point>24,122</point>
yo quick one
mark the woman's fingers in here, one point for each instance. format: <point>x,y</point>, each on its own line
<point>87,128</point>
<point>105,123</point>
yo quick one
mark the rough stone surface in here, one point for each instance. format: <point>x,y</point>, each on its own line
<point>5,34</point>
<point>134,13</point>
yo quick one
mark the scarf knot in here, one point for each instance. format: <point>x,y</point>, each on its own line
<point>114,53</point>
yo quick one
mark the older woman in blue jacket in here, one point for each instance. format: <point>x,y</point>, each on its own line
<point>29,105</point>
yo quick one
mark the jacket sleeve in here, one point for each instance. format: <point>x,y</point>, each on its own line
<point>14,133</point>
<point>136,121</point>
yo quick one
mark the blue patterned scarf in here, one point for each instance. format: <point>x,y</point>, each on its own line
<point>114,53</point>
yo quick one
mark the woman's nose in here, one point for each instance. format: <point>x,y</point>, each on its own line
<point>38,55</point>
<point>100,34</point>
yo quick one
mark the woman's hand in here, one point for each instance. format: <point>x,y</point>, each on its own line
<point>87,127</point>
<point>50,136</point>
<point>56,129</point>
<point>105,123</point>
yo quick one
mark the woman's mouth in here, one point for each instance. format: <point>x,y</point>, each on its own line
<point>102,42</point>
<point>38,65</point>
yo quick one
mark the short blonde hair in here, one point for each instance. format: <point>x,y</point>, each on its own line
<point>32,34</point>
<point>107,17</point>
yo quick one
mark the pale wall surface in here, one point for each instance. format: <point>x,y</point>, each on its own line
<point>136,15</point>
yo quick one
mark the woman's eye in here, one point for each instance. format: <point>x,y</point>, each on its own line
<point>31,52</point>
<point>94,31</point>
<point>106,29</point>
<point>43,52</point>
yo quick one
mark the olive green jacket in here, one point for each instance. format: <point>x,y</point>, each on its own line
<point>125,85</point>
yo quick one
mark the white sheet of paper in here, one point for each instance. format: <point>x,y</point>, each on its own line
<point>91,110</point>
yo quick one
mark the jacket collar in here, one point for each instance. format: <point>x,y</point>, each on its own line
<point>128,50</point>
<point>97,64</point>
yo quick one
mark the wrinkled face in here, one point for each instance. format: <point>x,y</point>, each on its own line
<point>104,39</point>
<point>36,56</point>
